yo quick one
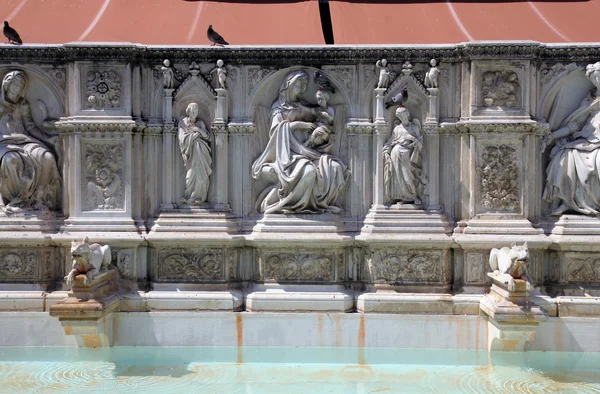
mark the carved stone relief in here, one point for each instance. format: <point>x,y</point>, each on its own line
<point>475,267</point>
<point>345,75</point>
<point>28,154</point>
<point>406,266</point>
<point>103,89</point>
<point>17,264</point>
<point>582,267</point>
<point>58,74</point>
<point>102,176</point>
<point>255,75</point>
<point>125,261</point>
<point>499,178</point>
<point>500,88</point>
<point>187,265</point>
<point>402,158</point>
<point>279,266</point>
<point>194,143</point>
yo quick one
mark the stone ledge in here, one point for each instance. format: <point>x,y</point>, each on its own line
<point>22,301</point>
<point>415,303</point>
<point>309,301</point>
<point>231,300</point>
<point>578,306</point>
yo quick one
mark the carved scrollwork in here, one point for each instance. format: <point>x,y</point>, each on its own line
<point>475,265</point>
<point>192,264</point>
<point>405,266</point>
<point>102,186</point>
<point>585,269</point>
<point>306,267</point>
<point>255,75</point>
<point>499,178</point>
<point>125,261</point>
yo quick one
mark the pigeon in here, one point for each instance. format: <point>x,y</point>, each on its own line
<point>12,35</point>
<point>323,82</point>
<point>398,99</point>
<point>215,37</point>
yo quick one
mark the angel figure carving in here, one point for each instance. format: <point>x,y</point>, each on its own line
<point>384,74</point>
<point>402,164</point>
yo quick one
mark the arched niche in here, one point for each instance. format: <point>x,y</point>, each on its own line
<point>43,89</point>
<point>563,96</point>
<point>267,92</point>
<point>418,100</point>
<point>194,90</point>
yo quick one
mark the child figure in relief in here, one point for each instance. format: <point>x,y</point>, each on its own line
<point>325,114</point>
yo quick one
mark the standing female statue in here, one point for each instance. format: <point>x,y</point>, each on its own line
<point>573,175</point>
<point>303,179</point>
<point>29,176</point>
<point>194,141</point>
<point>402,160</point>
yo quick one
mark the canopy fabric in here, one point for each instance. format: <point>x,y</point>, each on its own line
<point>297,22</point>
<point>164,22</point>
<point>443,22</point>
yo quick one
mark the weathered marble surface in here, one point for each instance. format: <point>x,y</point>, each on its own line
<point>296,191</point>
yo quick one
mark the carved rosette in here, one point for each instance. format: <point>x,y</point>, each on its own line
<point>103,89</point>
<point>18,264</point>
<point>193,265</point>
<point>279,266</point>
<point>406,266</point>
<point>102,178</point>
<point>499,179</point>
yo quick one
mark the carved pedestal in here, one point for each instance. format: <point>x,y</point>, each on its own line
<point>513,317</point>
<point>87,311</point>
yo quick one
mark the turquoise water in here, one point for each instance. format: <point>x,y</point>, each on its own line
<point>293,370</point>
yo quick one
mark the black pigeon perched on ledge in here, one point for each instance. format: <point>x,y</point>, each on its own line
<point>12,35</point>
<point>398,99</point>
<point>324,82</point>
<point>215,37</point>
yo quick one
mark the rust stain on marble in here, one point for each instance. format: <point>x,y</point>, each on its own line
<point>338,331</point>
<point>320,330</point>
<point>239,326</point>
<point>361,340</point>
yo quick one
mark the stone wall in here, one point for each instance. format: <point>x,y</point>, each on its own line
<point>473,152</point>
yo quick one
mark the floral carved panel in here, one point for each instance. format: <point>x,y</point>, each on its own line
<point>192,265</point>
<point>102,176</point>
<point>280,266</point>
<point>407,266</point>
<point>499,179</point>
<point>500,89</point>
<point>125,262</point>
<point>17,264</point>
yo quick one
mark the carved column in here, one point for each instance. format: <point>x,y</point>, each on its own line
<point>222,115</point>
<point>379,136</point>
<point>434,106</point>
<point>378,105</point>
<point>168,163</point>
<point>432,148</point>
<point>221,166</point>
<point>168,106</point>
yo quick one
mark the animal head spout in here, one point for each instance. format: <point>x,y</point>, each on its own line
<point>80,248</point>
<point>519,252</point>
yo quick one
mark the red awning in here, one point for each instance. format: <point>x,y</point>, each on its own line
<point>438,21</point>
<point>297,22</point>
<point>168,22</point>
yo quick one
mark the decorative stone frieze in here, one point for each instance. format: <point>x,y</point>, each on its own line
<point>193,265</point>
<point>301,266</point>
<point>498,180</point>
<point>103,89</point>
<point>395,266</point>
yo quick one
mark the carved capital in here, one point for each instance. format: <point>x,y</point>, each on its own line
<point>241,128</point>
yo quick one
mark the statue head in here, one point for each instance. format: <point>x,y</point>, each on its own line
<point>192,111</point>
<point>14,85</point>
<point>384,62</point>
<point>592,72</point>
<point>294,84</point>
<point>403,114</point>
<point>167,63</point>
<point>433,62</point>
<point>220,63</point>
<point>322,97</point>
